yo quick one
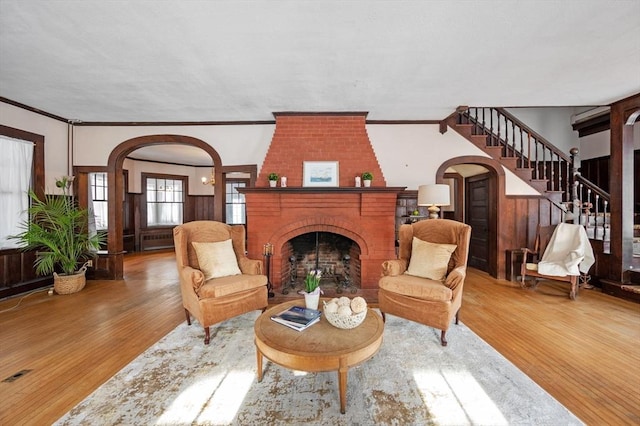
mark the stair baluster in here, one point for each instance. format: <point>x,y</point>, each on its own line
<point>551,169</point>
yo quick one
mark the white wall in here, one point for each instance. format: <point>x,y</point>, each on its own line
<point>552,123</point>
<point>409,155</point>
<point>235,144</point>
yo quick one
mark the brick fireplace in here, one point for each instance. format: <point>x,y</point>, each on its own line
<point>365,216</point>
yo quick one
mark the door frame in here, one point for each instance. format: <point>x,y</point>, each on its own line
<point>497,240</point>
<point>115,255</point>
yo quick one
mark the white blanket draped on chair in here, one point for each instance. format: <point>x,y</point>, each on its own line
<point>569,252</point>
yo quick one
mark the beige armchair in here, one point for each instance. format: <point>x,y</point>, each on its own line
<point>217,280</point>
<point>427,288</point>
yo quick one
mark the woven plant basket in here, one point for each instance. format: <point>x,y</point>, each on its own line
<point>68,284</point>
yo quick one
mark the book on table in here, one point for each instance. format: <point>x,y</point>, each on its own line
<point>297,317</point>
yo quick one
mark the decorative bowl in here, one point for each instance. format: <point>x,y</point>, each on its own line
<point>345,322</point>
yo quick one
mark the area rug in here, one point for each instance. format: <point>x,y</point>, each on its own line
<point>412,380</point>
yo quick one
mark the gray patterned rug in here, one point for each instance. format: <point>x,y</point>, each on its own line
<point>412,380</point>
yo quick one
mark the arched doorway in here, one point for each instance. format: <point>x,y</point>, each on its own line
<point>116,187</point>
<point>495,191</point>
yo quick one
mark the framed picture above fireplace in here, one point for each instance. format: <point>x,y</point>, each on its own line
<point>320,173</point>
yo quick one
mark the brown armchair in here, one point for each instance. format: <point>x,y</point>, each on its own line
<point>213,298</point>
<point>428,287</point>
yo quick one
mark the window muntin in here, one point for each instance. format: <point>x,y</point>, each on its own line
<point>165,201</point>
<point>98,189</point>
<point>236,212</point>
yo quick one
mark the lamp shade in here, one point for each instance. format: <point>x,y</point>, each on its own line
<point>433,195</point>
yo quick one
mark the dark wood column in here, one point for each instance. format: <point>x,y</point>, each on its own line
<point>623,114</point>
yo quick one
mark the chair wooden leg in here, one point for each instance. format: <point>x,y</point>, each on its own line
<point>535,283</point>
<point>207,337</point>
<point>574,288</point>
<point>443,339</point>
<point>457,316</point>
<point>384,317</point>
<point>188,316</point>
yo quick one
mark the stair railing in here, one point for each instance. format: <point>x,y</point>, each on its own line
<point>530,149</point>
<point>584,202</point>
<point>590,207</point>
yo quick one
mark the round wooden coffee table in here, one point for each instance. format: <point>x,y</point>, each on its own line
<point>321,347</point>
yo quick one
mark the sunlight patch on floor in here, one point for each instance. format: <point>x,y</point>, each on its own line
<point>186,407</point>
<point>456,398</point>
<point>227,399</point>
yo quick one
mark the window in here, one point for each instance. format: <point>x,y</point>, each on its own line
<point>98,188</point>
<point>165,201</point>
<point>15,181</point>
<point>235,203</point>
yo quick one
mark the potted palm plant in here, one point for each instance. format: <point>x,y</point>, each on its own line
<point>57,229</point>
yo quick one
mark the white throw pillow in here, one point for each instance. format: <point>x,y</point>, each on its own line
<point>217,259</point>
<point>429,260</point>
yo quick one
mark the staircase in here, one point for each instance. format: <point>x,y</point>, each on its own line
<point>519,148</point>
<point>536,161</point>
<point>553,173</point>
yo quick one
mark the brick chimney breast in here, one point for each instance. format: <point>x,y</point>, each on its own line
<point>300,137</point>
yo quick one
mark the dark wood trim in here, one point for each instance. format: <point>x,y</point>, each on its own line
<point>32,109</point>
<point>116,185</point>
<point>403,122</point>
<point>174,123</point>
<point>621,181</point>
<point>17,274</point>
<point>250,169</point>
<point>458,193</point>
<point>317,113</point>
<point>593,125</point>
<point>501,242</point>
<point>38,154</point>
<point>168,163</point>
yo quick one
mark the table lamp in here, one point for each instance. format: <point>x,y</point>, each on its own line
<point>433,195</point>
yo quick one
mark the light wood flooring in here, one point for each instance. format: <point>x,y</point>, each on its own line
<point>586,353</point>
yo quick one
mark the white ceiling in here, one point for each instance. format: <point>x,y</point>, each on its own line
<point>175,61</point>
<point>173,154</point>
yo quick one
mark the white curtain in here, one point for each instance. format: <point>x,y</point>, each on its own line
<point>15,180</point>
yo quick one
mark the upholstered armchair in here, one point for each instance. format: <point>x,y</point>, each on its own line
<point>425,283</point>
<point>217,280</point>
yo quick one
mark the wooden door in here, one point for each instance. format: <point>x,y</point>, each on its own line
<point>477,215</point>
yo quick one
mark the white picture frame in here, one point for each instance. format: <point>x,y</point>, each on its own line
<point>320,173</point>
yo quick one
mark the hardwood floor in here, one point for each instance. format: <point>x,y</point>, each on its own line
<point>586,353</point>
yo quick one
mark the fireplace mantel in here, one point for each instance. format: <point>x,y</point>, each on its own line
<point>316,190</point>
